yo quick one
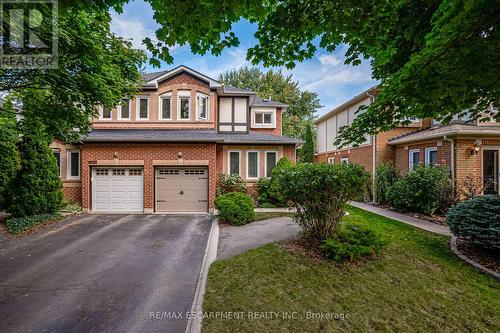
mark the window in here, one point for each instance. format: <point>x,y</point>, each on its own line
<point>431,156</point>
<point>57,155</point>
<point>344,160</point>
<point>263,119</point>
<point>253,164</point>
<point>413,158</point>
<point>331,160</point>
<point>166,107</point>
<point>73,164</point>
<point>143,108</point>
<point>125,109</point>
<point>202,106</point>
<point>234,163</point>
<point>271,159</point>
<point>184,105</point>
<point>105,113</point>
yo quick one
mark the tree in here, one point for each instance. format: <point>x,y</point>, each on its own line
<point>275,85</point>
<point>434,58</point>
<point>306,152</point>
<point>37,185</point>
<point>94,67</point>
<point>9,155</point>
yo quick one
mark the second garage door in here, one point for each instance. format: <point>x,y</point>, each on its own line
<point>182,190</point>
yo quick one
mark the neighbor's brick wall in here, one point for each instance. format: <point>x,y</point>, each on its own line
<point>402,157</point>
<point>147,153</point>
<point>274,131</point>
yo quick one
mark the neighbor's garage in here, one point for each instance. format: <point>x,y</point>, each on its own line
<point>117,190</point>
<point>181,190</point>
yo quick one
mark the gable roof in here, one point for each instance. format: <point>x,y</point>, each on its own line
<point>152,79</point>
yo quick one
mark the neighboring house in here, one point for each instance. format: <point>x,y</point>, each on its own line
<point>469,148</point>
<point>162,150</point>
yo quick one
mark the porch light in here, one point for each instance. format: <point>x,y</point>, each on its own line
<point>475,149</point>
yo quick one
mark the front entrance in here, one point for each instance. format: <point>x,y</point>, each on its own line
<point>181,190</point>
<point>491,172</point>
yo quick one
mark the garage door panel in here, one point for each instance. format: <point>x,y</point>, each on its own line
<point>117,190</point>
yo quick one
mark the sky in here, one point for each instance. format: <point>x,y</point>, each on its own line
<point>325,73</point>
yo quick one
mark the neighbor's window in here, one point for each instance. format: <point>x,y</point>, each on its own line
<point>166,107</point>
<point>431,156</point>
<point>106,113</point>
<point>143,108</point>
<point>234,162</point>
<point>344,160</point>
<point>73,164</point>
<point>331,160</point>
<point>263,118</point>
<point>125,109</point>
<point>202,107</point>
<point>271,159</point>
<point>57,155</point>
<point>252,164</point>
<point>413,158</point>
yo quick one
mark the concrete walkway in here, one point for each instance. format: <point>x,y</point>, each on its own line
<point>419,223</point>
<point>236,240</point>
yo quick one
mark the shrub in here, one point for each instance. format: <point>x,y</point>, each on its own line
<point>9,155</point>
<point>268,189</point>
<point>264,195</point>
<point>230,183</point>
<point>235,208</point>
<point>306,153</point>
<point>37,188</point>
<point>17,225</point>
<point>477,219</point>
<point>70,206</point>
<point>351,243</point>
<point>425,189</point>
<point>385,177</point>
<point>320,193</point>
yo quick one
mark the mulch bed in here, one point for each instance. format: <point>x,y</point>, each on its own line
<point>305,247</point>
<point>488,258</point>
<point>437,219</point>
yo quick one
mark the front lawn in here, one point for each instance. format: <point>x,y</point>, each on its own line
<point>416,285</point>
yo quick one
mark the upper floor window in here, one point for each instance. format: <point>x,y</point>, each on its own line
<point>184,105</point>
<point>105,113</point>
<point>431,156</point>
<point>166,107</point>
<point>264,118</point>
<point>143,108</point>
<point>73,164</point>
<point>124,109</point>
<point>271,160</point>
<point>413,158</point>
<point>202,106</point>
<point>234,165</point>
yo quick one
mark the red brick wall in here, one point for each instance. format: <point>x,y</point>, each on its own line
<point>73,193</point>
<point>402,157</point>
<point>147,153</point>
<point>290,151</point>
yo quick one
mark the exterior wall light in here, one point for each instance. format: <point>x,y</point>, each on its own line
<point>475,149</point>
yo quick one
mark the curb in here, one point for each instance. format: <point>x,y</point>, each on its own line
<point>195,320</point>
<point>454,248</point>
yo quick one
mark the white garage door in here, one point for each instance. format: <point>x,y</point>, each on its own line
<point>117,190</point>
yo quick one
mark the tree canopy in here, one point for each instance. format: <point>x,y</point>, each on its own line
<point>434,58</point>
<point>279,87</point>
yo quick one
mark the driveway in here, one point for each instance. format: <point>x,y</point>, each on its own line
<point>103,273</point>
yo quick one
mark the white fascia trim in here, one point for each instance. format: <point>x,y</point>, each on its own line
<point>248,160</point>
<point>160,106</point>
<point>229,161</point>
<point>138,108</point>
<point>212,82</point>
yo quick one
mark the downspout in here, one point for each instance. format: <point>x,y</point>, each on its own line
<point>374,156</point>
<point>452,154</point>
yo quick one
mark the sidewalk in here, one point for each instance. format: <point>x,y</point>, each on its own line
<point>421,224</point>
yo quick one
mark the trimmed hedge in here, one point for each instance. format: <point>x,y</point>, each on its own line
<point>235,208</point>
<point>352,243</point>
<point>19,224</point>
<point>477,219</point>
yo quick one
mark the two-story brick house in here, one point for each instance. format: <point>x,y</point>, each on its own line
<point>162,150</point>
<point>469,148</point>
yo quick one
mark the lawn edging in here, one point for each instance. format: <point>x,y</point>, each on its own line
<point>478,266</point>
<point>195,320</point>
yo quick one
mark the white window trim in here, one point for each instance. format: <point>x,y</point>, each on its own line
<point>258,160</point>
<point>119,109</point>
<point>68,164</point>
<point>60,160</point>
<point>229,161</point>
<point>265,160</point>
<point>427,154</point>
<point>180,94</point>
<point>202,95</point>
<point>344,159</point>
<point>331,160</point>
<point>138,108</point>
<point>160,108</point>
<point>273,118</point>
<point>101,113</point>
<point>410,157</point>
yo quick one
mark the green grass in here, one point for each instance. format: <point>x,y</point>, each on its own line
<point>416,285</point>
<point>259,216</point>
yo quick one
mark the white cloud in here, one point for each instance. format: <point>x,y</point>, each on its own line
<point>213,67</point>
<point>131,29</point>
<point>329,60</point>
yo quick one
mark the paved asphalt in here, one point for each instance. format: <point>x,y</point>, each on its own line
<point>103,273</point>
